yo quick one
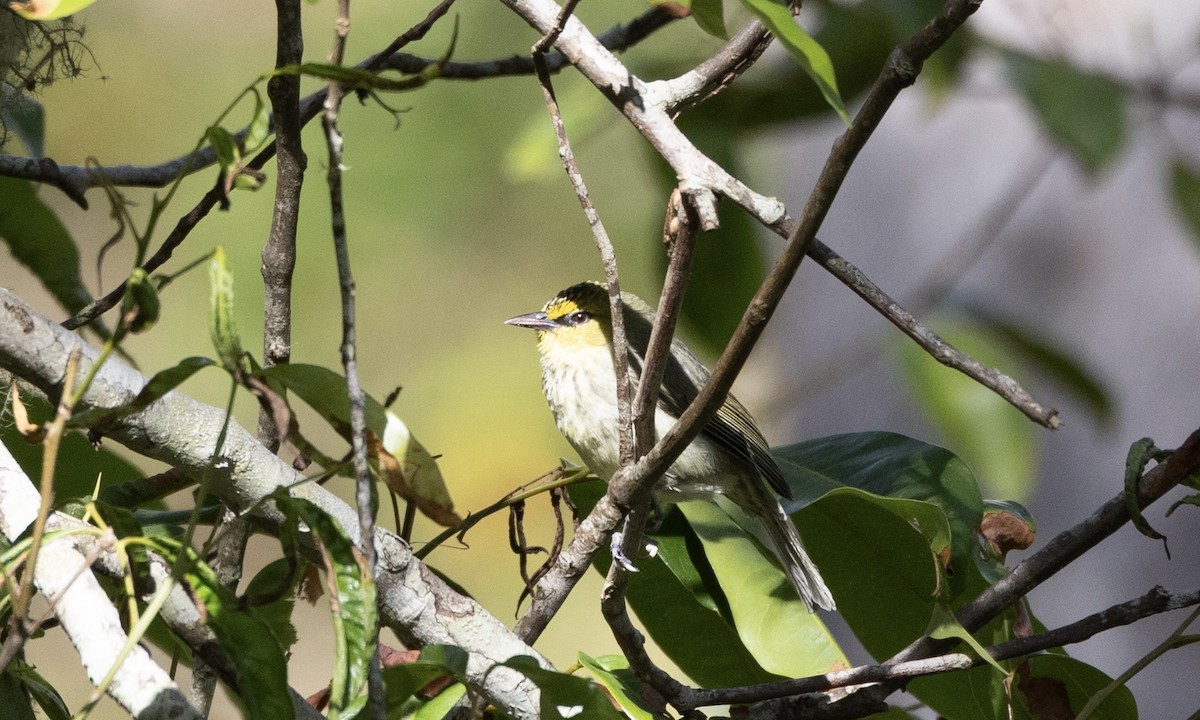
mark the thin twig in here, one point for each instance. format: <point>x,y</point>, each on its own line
<point>608,255</point>
<point>75,181</point>
<point>1155,602</point>
<point>413,34</point>
<point>364,489</point>
<point>644,105</point>
<point>619,37</point>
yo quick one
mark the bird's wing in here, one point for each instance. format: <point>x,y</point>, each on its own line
<point>732,428</point>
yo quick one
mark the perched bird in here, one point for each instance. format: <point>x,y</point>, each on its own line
<point>730,457</point>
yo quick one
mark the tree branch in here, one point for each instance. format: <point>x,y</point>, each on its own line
<point>181,432</point>
<point>91,622</point>
<point>644,104</point>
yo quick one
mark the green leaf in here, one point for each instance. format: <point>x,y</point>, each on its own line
<point>708,14</point>
<point>271,595</point>
<point>877,565</point>
<point>443,705</point>
<point>355,624</point>
<point>673,601</point>
<point>226,148</point>
<point>806,51</point>
<point>22,115</point>
<point>402,682</point>
<point>407,466</point>
<point>612,671</point>
<point>565,696</point>
<point>770,619</point>
<point>260,124</point>
<point>893,466</point>
<point>79,463</point>
<point>39,241</point>
<point>1083,112</point>
<point>12,696</point>
<point>162,383</point>
<point>248,641</point>
<point>1185,191</point>
<point>42,692</point>
<point>994,438</point>
<point>48,9</point>
<point>222,326</point>
<point>943,626</point>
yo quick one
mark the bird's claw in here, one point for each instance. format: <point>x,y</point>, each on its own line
<point>619,556</point>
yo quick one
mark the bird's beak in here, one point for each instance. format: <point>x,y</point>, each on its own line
<point>535,320</point>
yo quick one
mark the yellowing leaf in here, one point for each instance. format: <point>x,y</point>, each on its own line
<point>48,9</point>
<point>412,473</point>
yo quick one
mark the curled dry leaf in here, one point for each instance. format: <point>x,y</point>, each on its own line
<point>1005,531</point>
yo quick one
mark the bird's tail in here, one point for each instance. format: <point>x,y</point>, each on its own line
<point>799,568</point>
<point>775,529</point>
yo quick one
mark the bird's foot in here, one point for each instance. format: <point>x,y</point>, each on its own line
<point>618,552</point>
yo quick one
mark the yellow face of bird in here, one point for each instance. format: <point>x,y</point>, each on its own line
<point>577,319</point>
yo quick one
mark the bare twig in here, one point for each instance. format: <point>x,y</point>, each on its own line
<point>82,178</point>
<point>364,487</point>
<point>608,255</point>
<point>1155,602</point>
<point>75,181</point>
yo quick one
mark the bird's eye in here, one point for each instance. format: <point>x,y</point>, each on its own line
<point>578,317</point>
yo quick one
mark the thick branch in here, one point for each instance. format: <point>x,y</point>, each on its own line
<point>181,432</point>
<point>85,613</point>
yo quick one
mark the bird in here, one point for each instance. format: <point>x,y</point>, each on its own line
<point>730,457</point>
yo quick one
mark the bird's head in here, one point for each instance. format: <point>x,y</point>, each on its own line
<point>577,318</point>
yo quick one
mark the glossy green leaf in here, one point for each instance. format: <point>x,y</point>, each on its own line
<point>878,566</point>
<point>1185,191</point>
<point>675,596</point>
<point>250,645</point>
<point>993,437</point>
<point>770,619</point>
<point>892,466</point>
<point>1083,112</point>
<point>39,241</point>
<point>13,696</point>
<point>566,696</point>
<point>221,323</point>
<point>612,671</point>
<point>776,15</point>
<point>48,9</point>
<point>162,383</point>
